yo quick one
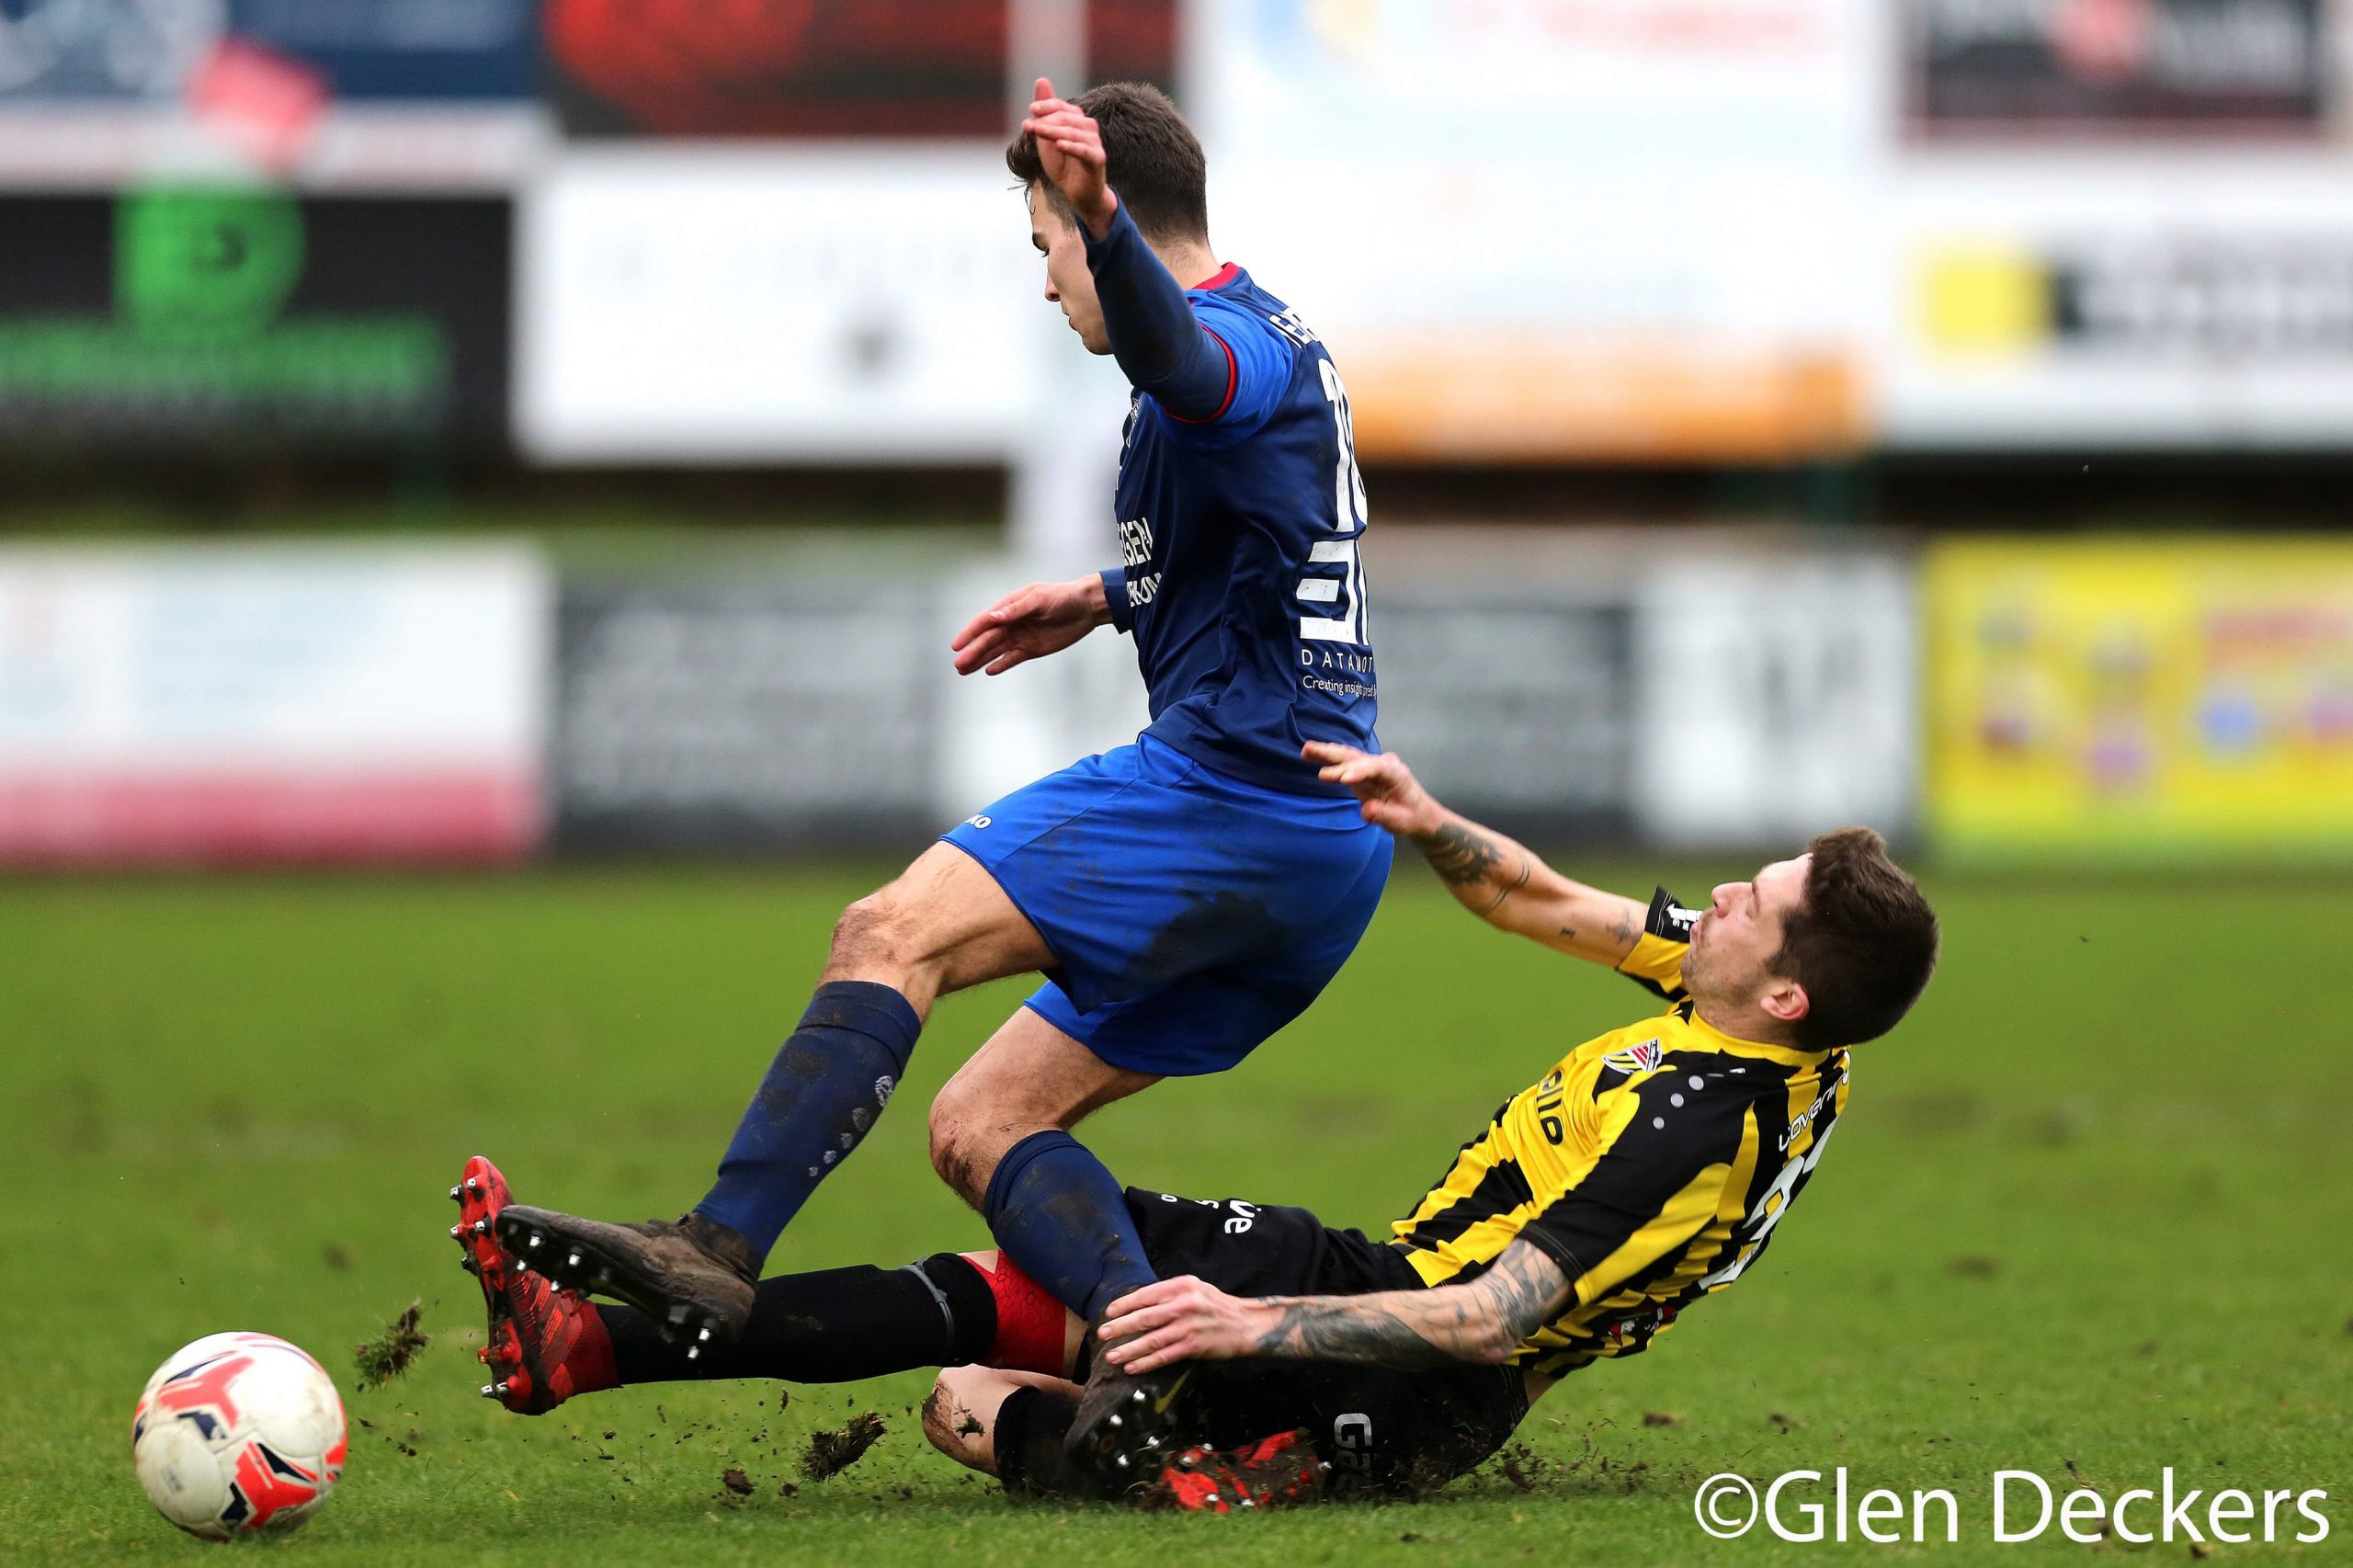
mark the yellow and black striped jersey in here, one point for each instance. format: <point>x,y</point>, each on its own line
<point>1653,1164</point>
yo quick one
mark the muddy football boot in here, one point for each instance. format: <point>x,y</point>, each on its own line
<point>692,1275</point>
<point>1273,1473</point>
<point>534,1326</point>
<point>1127,1426</point>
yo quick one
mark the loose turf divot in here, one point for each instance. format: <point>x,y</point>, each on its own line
<point>830,1453</point>
<point>386,1356</point>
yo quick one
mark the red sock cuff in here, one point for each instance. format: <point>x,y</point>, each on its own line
<point>1031,1326</point>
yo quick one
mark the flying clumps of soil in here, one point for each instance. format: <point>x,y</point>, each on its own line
<point>830,1453</point>
<point>379,1360</point>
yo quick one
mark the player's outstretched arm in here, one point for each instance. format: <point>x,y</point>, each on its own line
<point>1029,623</point>
<point>1483,1322</point>
<point>1493,877</point>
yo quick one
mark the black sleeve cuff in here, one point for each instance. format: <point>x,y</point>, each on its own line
<point>1669,920</point>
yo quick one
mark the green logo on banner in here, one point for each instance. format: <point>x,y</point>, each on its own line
<point>202,346</point>
<point>205,265</point>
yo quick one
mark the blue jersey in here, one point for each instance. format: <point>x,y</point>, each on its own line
<point>1240,580</point>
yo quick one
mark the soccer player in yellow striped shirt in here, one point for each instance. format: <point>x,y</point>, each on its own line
<point>1647,1167</point>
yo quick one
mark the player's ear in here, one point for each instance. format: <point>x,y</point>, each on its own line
<point>1785,1000</point>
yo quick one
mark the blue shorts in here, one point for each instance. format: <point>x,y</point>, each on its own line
<point>1190,914</point>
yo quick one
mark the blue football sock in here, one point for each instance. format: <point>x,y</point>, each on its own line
<point>1059,1214</point>
<point>824,1089</point>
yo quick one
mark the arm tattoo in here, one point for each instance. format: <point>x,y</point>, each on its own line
<point>1411,1330</point>
<point>1528,1288</point>
<point>1463,858</point>
<point>1623,930</point>
<point>1341,1328</point>
<point>1459,856</point>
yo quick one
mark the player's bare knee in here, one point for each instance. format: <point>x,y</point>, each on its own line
<point>867,933</point>
<point>956,1154</point>
<point>943,1134</point>
<point>951,1422</point>
<point>938,1425</point>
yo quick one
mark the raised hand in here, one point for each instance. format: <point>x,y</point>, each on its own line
<point>1029,623</point>
<point>1392,796</point>
<point>1070,146</point>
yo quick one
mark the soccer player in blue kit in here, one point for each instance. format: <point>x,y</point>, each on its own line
<point>1185,896</point>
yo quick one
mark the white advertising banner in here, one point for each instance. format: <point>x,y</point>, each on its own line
<point>2127,298</point>
<point>1776,698</point>
<point>271,703</point>
<point>1550,229</point>
<point>839,302</point>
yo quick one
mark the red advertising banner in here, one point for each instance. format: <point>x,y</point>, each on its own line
<point>816,68</point>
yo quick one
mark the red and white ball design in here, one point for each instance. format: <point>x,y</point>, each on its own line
<point>238,1434</point>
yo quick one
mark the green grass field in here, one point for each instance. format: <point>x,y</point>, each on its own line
<point>2088,1212</point>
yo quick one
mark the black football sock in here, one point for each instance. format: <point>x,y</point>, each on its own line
<point>835,1325</point>
<point>823,1090</point>
<point>1031,1426</point>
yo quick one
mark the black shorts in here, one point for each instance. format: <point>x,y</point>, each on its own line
<point>1378,1429</point>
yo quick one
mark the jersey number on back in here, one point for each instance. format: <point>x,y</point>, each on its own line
<point>1342,623</point>
<point>1769,1210</point>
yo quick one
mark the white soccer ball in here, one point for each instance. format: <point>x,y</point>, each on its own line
<point>238,1434</point>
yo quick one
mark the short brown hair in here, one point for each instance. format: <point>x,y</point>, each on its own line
<point>1863,943</point>
<point>1149,155</point>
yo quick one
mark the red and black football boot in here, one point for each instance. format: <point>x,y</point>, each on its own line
<point>545,1342</point>
<point>692,1275</point>
<point>1274,1472</point>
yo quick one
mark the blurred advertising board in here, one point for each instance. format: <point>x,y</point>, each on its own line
<point>759,715</point>
<point>1536,229</point>
<point>1515,708</point>
<point>1602,694</point>
<point>94,51</point>
<point>799,68</point>
<point>271,704</point>
<point>209,316</point>
<point>1776,698</point>
<point>2138,699</point>
<point>847,304</point>
<point>2122,299</point>
<point>2074,67</point>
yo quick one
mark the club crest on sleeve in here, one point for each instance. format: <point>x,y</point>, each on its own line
<point>1643,1057</point>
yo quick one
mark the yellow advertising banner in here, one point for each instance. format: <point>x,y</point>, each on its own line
<point>2132,699</point>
